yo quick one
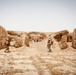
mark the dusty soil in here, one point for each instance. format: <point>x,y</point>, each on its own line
<point>36,60</point>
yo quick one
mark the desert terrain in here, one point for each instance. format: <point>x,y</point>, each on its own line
<point>36,60</point>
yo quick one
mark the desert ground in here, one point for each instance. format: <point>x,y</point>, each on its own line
<point>36,60</point>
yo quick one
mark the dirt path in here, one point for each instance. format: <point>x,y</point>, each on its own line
<point>35,60</point>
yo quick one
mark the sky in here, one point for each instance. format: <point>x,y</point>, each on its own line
<point>38,15</point>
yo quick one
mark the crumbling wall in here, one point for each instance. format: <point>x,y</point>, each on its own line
<point>3,37</point>
<point>36,36</point>
<point>59,35</point>
<point>74,39</point>
<point>18,41</point>
<point>69,37</point>
<point>27,40</point>
<point>63,42</point>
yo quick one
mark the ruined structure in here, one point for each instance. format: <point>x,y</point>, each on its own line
<point>69,37</point>
<point>14,33</point>
<point>3,37</point>
<point>59,35</point>
<point>27,40</point>
<point>63,42</point>
<point>16,41</point>
<point>36,36</point>
<point>15,38</point>
<point>74,39</point>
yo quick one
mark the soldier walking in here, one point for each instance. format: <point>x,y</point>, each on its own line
<point>49,44</point>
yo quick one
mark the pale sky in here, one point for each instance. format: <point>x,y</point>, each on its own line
<point>38,15</point>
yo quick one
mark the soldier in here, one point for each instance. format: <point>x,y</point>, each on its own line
<point>8,40</point>
<point>49,44</point>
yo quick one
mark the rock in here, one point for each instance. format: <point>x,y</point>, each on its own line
<point>18,41</point>
<point>36,36</point>
<point>14,33</point>
<point>63,42</point>
<point>3,37</point>
<point>74,39</point>
<point>69,37</point>
<point>41,37</point>
<point>27,40</point>
<point>64,32</point>
<point>58,37</point>
<point>59,34</point>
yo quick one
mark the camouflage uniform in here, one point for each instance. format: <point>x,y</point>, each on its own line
<point>49,44</point>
